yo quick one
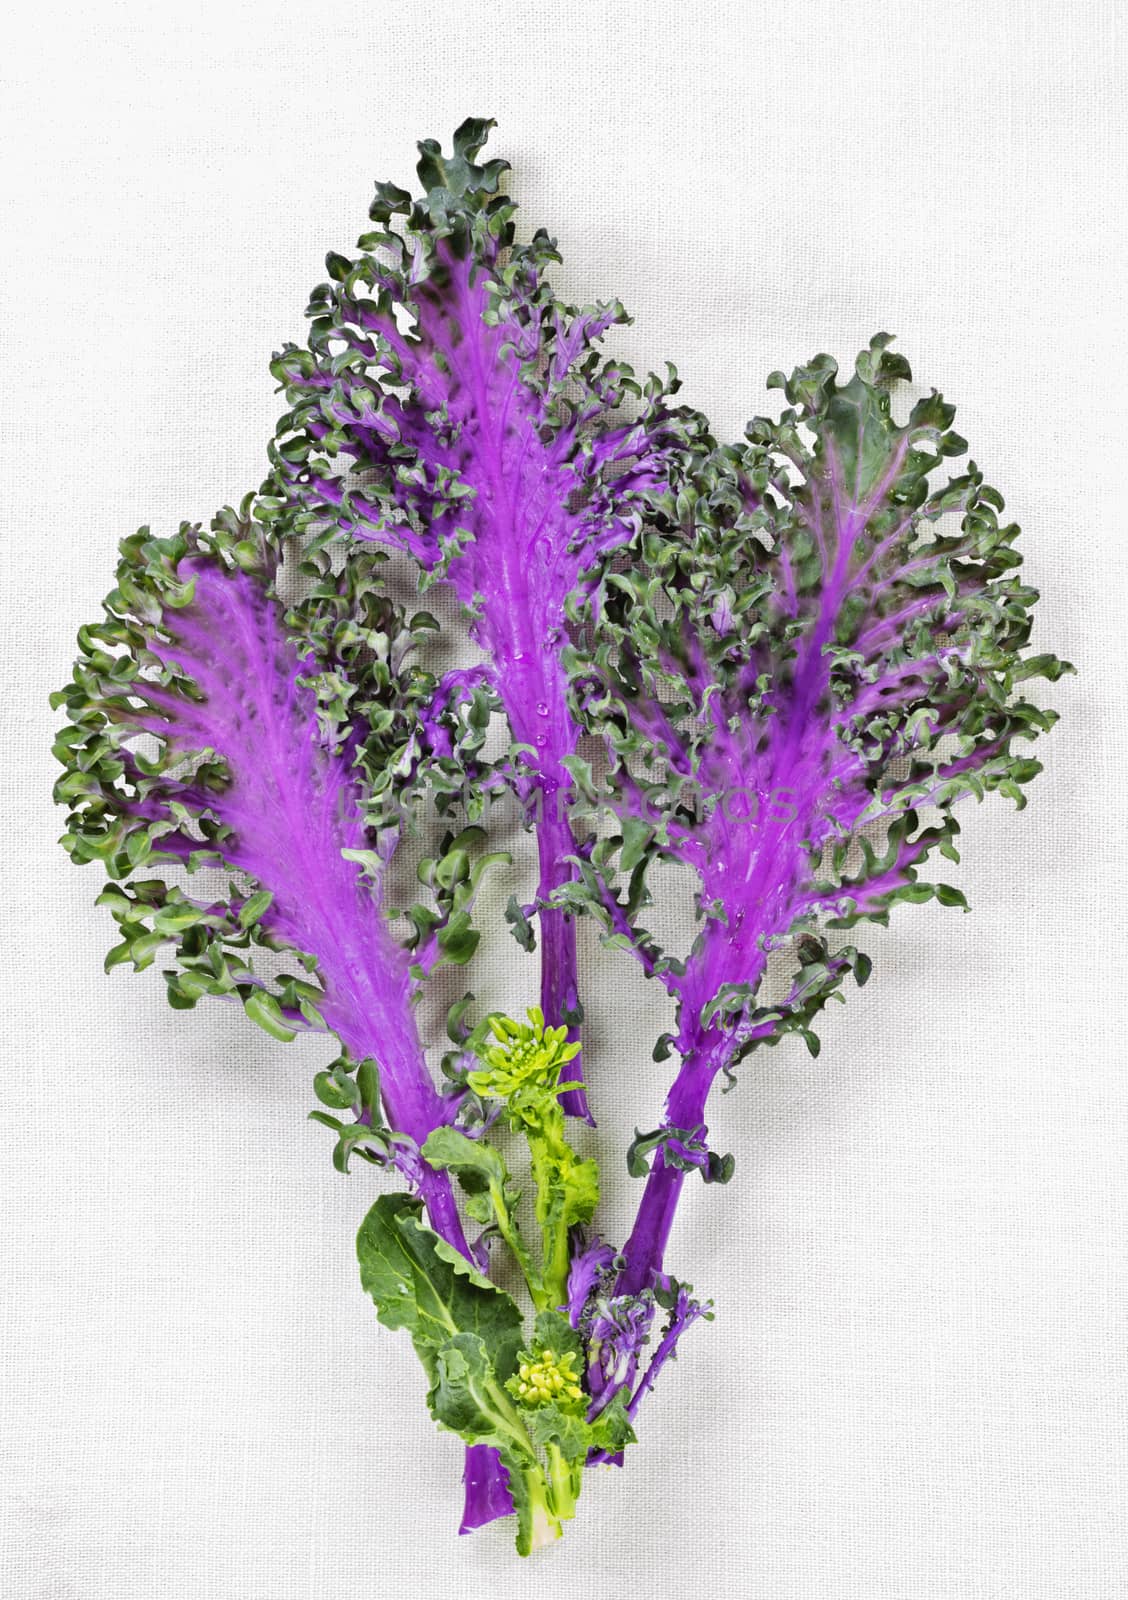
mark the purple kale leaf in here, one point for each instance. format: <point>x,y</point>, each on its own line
<point>450,406</point>
<point>820,653</point>
<point>198,660</point>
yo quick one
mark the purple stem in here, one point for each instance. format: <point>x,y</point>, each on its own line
<point>487,1488</point>
<point>685,1312</point>
<point>559,984</point>
<point>685,1108</point>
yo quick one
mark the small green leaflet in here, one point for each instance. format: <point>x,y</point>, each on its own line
<point>463,1392</point>
<point>476,1163</point>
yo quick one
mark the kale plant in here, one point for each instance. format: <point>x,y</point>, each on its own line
<point>779,663</point>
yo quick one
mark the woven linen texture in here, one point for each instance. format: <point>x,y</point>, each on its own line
<point>914,1388</point>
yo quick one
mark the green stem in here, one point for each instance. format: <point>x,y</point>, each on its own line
<point>544,1521</point>
<point>510,1418</point>
<point>507,1227</point>
<point>551,1216</point>
<point>565,1480</point>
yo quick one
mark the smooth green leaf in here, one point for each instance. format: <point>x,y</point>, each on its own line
<point>421,1283</point>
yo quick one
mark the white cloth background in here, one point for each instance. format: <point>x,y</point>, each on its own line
<point>914,1388</point>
